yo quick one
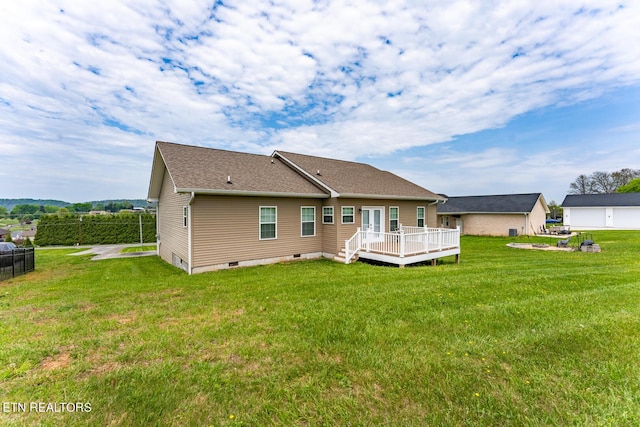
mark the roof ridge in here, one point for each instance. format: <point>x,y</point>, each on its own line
<point>328,158</point>
<point>213,149</point>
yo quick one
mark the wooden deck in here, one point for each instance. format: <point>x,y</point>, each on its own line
<point>409,245</point>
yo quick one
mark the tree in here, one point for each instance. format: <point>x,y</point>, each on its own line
<point>632,187</point>
<point>19,210</point>
<point>624,176</point>
<point>582,185</point>
<point>556,210</point>
<point>3,212</point>
<point>8,238</point>
<point>600,182</point>
<point>81,207</point>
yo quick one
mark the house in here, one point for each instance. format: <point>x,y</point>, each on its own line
<point>602,211</point>
<point>219,209</point>
<point>3,234</point>
<point>495,215</point>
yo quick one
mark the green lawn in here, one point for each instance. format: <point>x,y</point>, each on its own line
<point>138,248</point>
<point>507,337</point>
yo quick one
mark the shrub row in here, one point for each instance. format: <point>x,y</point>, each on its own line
<point>95,229</point>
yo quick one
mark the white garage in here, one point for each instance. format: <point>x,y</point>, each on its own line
<point>619,211</point>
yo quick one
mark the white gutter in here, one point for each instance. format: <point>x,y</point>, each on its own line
<point>382,196</point>
<point>249,193</point>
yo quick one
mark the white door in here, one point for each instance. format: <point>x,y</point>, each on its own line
<point>373,222</point>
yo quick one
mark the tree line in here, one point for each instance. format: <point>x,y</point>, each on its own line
<point>28,212</point>
<point>623,181</point>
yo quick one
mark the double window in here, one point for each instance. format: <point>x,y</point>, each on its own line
<point>307,221</point>
<point>327,214</point>
<point>268,222</point>
<point>348,215</point>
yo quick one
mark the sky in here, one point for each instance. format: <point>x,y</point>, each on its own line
<point>461,97</point>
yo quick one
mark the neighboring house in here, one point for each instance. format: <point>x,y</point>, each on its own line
<point>218,209</point>
<point>3,234</point>
<point>602,211</point>
<point>495,215</point>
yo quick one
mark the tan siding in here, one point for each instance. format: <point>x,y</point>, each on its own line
<point>173,236</point>
<point>538,218</point>
<point>493,224</point>
<point>329,231</point>
<point>226,229</point>
<point>408,216</point>
<point>432,216</point>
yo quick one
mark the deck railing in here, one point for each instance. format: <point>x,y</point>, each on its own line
<point>406,241</point>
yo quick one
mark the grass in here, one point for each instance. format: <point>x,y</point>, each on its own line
<point>508,337</point>
<point>143,248</point>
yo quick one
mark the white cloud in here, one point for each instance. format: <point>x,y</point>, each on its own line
<point>331,78</point>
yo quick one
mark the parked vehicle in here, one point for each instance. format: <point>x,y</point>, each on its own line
<point>7,246</point>
<point>553,221</point>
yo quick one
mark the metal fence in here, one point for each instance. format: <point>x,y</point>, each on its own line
<point>16,262</point>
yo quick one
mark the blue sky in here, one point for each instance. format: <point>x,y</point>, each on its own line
<point>461,97</point>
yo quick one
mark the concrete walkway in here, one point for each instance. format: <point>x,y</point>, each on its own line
<point>112,251</point>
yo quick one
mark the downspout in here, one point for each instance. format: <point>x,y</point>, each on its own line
<point>189,230</point>
<point>431,204</point>
<point>526,223</point>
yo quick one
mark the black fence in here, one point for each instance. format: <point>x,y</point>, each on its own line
<point>16,262</point>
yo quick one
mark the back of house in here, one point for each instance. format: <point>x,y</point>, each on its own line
<point>219,209</point>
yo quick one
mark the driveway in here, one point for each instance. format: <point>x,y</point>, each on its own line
<point>113,251</point>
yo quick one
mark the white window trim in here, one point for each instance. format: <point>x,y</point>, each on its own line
<point>332,215</point>
<point>397,219</point>
<point>260,222</point>
<point>424,215</point>
<point>342,214</point>
<point>314,221</point>
<point>185,216</point>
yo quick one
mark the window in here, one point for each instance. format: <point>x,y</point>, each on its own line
<point>444,221</point>
<point>268,220</point>
<point>185,216</point>
<point>348,216</point>
<point>327,214</point>
<point>421,216</point>
<point>394,216</point>
<point>308,221</point>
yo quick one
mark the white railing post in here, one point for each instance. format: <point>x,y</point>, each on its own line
<point>426,239</point>
<point>440,239</point>
<point>367,237</point>
<point>403,241</point>
<point>346,251</point>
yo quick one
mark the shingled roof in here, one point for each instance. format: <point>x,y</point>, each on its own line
<point>207,171</point>
<point>601,200</point>
<point>213,171</point>
<point>352,179</point>
<point>504,203</point>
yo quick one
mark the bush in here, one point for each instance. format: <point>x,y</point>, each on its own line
<point>95,229</point>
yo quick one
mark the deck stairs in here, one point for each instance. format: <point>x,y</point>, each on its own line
<point>342,256</point>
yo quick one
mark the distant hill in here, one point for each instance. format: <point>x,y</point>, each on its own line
<point>10,203</point>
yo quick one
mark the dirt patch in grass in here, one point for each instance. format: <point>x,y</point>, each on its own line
<point>123,319</point>
<point>58,361</point>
